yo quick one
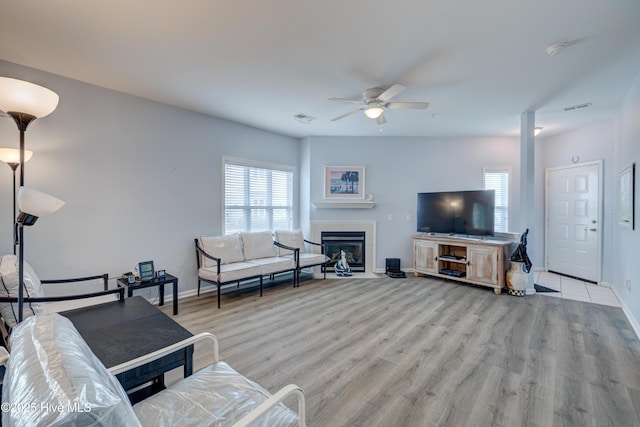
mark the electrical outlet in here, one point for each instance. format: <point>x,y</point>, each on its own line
<point>407,217</point>
<point>389,217</point>
<point>627,283</point>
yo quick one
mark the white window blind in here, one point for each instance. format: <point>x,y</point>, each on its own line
<point>498,179</point>
<point>257,197</point>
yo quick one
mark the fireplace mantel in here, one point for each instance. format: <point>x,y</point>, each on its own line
<point>346,204</point>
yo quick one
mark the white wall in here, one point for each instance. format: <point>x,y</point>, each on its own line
<point>396,169</point>
<point>140,179</point>
<point>624,260</point>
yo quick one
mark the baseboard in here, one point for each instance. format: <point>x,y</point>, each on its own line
<point>632,320</point>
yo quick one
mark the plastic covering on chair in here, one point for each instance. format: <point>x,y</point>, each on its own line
<point>215,396</point>
<point>53,378</point>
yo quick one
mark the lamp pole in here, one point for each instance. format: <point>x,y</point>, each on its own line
<point>24,102</point>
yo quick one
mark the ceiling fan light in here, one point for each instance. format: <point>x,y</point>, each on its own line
<point>373,112</point>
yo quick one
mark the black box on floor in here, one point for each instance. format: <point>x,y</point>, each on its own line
<point>392,268</point>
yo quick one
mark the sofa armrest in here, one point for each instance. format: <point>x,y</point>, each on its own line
<point>276,399</point>
<point>201,252</point>
<point>150,357</point>
<point>296,251</point>
<point>322,245</point>
<point>104,277</point>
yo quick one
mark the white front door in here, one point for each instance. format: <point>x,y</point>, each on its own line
<point>573,220</point>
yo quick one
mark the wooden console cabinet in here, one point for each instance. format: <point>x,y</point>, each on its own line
<point>481,262</point>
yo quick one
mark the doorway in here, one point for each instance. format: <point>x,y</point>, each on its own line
<point>573,213</point>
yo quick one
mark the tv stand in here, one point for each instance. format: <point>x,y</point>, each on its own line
<point>480,262</point>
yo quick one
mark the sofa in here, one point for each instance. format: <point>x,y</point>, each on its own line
<point>53,378</point>
<point>236,257</point>
<point>232,258</point>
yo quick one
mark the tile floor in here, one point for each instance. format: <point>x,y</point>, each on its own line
<point>575,289</point>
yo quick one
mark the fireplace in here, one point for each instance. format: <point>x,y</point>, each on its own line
<point>351,242</point>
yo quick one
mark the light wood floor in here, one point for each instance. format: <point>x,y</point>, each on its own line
<point>426,352</point>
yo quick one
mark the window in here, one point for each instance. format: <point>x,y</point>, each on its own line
<point>498,179</point>
<point>257,196</point>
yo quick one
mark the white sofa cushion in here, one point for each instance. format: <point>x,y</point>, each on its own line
<point>274,264</point>
<point>214,396</point>
<point>292,238</point>
<point>228,248</point>
<point>307,260</point>
<point>258,244</point>
<point>231,272</point>
<point>9,288</point>
<point>52,367</point>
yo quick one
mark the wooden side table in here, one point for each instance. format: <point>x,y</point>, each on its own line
<point>160,283</point>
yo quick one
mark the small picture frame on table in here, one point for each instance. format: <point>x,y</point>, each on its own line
<point>146,271</point>
<point>160,275</point>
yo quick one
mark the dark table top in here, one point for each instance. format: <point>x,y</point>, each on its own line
<point>119,331</point>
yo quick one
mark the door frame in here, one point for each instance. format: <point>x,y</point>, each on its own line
<point>598,163</point>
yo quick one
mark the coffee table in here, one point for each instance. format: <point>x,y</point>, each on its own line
<point>120,331</point>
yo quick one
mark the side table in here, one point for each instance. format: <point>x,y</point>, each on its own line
<point>160,283</point>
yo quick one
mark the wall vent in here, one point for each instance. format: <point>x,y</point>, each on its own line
<point>303,118</point>
<point>577,107</point>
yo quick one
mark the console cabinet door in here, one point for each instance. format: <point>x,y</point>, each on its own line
<point>425,256</point>
<point>483,264</point>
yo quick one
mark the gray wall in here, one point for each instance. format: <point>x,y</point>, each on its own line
<point>396,169</point>
<point>626,247</point>
<point>594,142</point>
<point>140,179</point>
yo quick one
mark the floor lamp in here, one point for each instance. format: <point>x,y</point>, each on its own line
<point>11,156</point>
<point>24,102</point>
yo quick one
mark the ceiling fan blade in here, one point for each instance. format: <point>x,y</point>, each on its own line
<point>347,114</point>
<point>391,92</point>
<point>350,101</point>
<point>410,105</point>
<point>381,119</point>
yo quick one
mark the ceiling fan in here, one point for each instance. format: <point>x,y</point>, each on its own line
<point>375,100</point>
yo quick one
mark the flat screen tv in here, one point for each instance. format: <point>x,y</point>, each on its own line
<point>457,212</point>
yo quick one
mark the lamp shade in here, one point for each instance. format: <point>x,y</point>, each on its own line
<point>37,204</point>
<point>12,155</point>
<point>18,96</point>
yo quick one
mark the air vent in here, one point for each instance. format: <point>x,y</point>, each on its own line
<point>303,118</point>
<point>577,107</point>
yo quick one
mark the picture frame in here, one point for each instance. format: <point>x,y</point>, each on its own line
<point>626,197</point>
<point>146,271</point>
<point>344,182</point>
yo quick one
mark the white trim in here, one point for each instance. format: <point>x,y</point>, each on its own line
<point>635,325</point>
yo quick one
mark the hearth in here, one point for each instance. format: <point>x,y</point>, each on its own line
<point>351,242</point>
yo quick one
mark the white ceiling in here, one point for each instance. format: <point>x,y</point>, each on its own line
<point>479,64</point>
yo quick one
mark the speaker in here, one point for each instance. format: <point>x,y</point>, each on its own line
<point>392,264</point>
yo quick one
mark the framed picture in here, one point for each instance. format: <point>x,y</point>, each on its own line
<point>626,209</point>
<point>146,271</point>
<point>344,182</point>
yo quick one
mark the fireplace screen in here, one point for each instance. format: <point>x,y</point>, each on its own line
<point>351,242</point>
